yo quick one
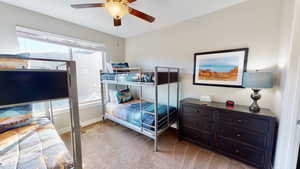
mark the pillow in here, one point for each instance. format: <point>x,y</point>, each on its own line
<point>15,117</point>
<point>123,96</point>
<point>113,66</point>
<point>112,95</point>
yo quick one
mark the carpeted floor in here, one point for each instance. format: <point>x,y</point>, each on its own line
<point>111,146</point>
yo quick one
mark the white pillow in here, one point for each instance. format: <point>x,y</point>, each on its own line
<point>109,68</point>
<point>112,95</point>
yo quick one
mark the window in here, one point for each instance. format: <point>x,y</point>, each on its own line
<point>88,62</point>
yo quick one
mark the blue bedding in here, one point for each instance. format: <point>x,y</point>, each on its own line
<point>129,77</point>
<point>14,117</point>
<point>131,114</point>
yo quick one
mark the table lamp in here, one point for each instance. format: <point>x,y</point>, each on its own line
<point>257,81</point>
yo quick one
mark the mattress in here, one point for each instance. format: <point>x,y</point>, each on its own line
<point>130,112</point>
<point>35,146</point>
<point>147,77</point>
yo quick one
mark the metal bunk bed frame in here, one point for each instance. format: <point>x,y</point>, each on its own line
<point>149,133</point>
<point>73,100</point>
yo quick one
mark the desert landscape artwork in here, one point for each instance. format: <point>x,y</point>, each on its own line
<point>220,68</point>
<point>12,63</point>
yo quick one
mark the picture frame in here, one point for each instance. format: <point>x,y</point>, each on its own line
<point>223,68</point>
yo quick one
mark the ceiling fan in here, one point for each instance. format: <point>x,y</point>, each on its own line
<point>118,8</point>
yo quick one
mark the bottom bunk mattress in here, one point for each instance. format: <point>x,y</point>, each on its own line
<point>131,113</point>
<point>35,146</point>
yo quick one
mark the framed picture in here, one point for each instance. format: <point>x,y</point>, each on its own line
<point>7,63</point>
<point>220,68</point>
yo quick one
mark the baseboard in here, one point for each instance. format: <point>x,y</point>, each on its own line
<point>91,121</point>
<point>82,124</point>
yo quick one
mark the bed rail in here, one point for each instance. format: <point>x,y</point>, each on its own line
<point>160,76</point>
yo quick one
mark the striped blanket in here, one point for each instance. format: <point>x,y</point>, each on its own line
<point>35,146</point>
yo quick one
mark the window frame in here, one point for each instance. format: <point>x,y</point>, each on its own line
<point>71,43</point>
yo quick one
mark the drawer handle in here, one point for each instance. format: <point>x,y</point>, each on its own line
<point>240,121</point>
<point>237,151</point>
<point>238,135</point>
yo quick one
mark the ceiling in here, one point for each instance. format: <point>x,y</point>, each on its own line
<point>167,12</point>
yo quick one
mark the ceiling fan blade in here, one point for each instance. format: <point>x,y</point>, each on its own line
<point>117,22</point>
<point>141,15</point>
<point>78,6</point>
<point>130,1</point>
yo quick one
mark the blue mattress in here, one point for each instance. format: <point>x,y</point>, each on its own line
<point>129,77</point>
<point>131,113</point>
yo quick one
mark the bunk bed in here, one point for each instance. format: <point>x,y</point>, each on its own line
<point>149,118</point>
<point>29,142</point>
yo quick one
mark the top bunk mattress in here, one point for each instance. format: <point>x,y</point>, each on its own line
<point>37,145</point>
<point>129,76</point>
<point>144,77</point>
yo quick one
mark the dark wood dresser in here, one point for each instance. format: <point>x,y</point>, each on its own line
<point>235,132</point>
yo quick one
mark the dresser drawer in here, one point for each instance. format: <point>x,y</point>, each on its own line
<point>244,121</point>
<point>199,124</point>
<point>246,137</point>
<point>196,136</point>
<point>240,152</point>
<point>197,111</point>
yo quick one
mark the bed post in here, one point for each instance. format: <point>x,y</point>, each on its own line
<point>74,114</point>
<point>168,108</point>
<point>102,97</point>
<point>141,108</point>
<point>178,83</point>
<point>155,109</point>
<point>51,111</point>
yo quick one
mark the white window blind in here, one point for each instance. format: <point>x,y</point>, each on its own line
<point>88,64</point>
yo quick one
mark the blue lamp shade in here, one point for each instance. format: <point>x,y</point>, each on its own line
<point>258,80</point>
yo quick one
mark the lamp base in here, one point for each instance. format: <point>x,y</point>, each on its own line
<point>255,96</point>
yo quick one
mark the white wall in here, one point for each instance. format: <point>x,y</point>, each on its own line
<point>285,42</point>
<point>88,115</point>
<point>288,93</point>
<point>253,24</point>
<point>11,16</point>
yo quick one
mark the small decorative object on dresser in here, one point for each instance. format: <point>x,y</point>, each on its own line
<point>235,132</point>
<point>230,103</point>
<point>205,99</point>
<point>257,81</point>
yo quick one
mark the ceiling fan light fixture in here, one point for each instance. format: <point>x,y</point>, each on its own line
<point>117,9</point>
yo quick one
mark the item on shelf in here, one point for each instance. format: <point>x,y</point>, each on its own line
<point>257,81</point>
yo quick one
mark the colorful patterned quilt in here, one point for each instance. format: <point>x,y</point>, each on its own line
<point>147,77</point>
<point>130,112</point>
<point>35,146</point>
